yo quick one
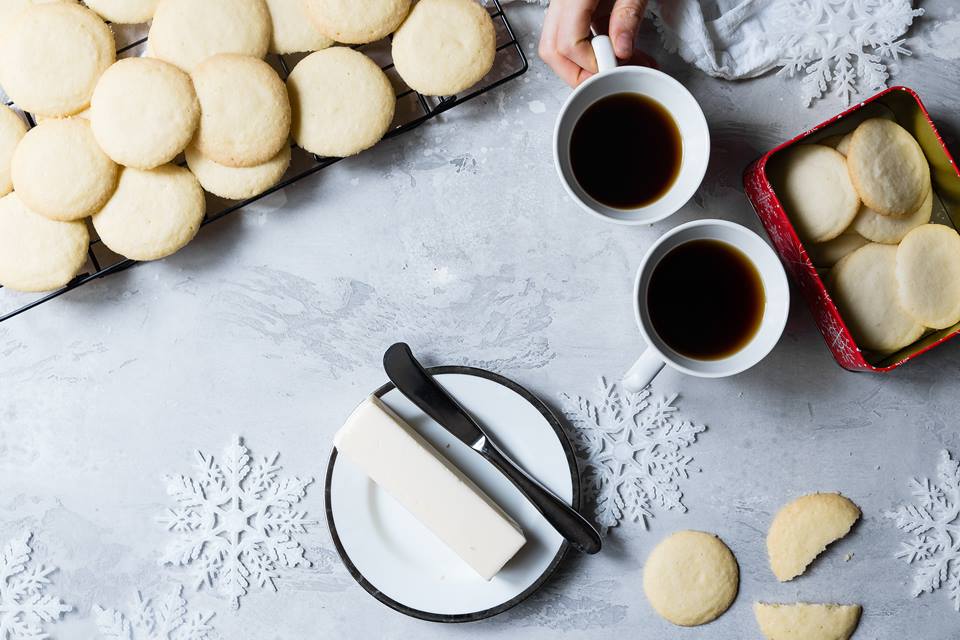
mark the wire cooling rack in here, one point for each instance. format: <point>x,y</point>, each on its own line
<point>413,110</point>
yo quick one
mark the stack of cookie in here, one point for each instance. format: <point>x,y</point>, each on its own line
<point>864,210</point>
<point>110,133</point>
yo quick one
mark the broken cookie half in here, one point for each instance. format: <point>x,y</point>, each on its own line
<point>807,621</point>
<point>802,529</point>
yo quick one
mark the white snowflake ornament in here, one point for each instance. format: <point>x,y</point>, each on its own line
<point>166,617</point>
<point>236,522</point>
<point>632,446</point>
<point>841,45</point>
<point>25,607</point>
<point>934,526</point>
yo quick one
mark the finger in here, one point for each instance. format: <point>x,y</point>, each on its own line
<point>624,24</point>
<point>573,33</point>
<point>564,68</point>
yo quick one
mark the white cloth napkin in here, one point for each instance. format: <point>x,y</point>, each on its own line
<point>841,46</point>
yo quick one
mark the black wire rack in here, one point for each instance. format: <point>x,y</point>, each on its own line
<point>413,110</point>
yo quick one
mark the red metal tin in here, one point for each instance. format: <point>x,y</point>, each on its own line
<point>908,110</point>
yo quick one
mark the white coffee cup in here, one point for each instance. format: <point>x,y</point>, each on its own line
<point>776,307</point>
<point>673,96</point>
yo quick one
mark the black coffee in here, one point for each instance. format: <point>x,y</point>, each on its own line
<point>626,150</point>
<point>706,299</point>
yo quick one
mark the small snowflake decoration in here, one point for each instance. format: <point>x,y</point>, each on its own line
<point>236,521</point>
<point>166,617</point>
<point>632,448</point>
<point>934,524</point>
<point>25,607</point>
<point>845,45</point>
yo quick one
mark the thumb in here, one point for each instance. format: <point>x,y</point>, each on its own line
<point>624,23</point>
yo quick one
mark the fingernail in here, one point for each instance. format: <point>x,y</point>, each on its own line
<point>624,46</point>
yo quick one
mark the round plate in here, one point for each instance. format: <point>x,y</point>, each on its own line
<point>400,562</point>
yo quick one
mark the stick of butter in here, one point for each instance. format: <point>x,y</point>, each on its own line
<point>439,495</point>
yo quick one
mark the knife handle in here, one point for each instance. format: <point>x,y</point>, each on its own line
<point>564,518</point>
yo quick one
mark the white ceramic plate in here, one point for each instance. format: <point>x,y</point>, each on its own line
<point>400,562</point>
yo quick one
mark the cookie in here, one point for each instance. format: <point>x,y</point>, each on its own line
<point>802,529</point>
<point>293,31</point>
<point>36,253</point>
<point>352,22</point>
<point>12,130</point>
<point>152,214</point>
<point>445,46</point>
<point>890,230</point>
<point>928,275</point>
<point>826,254</point>
<point>235,183</point>
<point>888,168</point>
<point>187,32</point>
<point>124,11</point>
<point>52,56</point>
<point>144,112</point>
<point>60,172</point>
<point>691,578</point>
<point>816,191</point>
<point>342,102</point>
<point>843,145</point>
<point>244,110</point>
<point>11,9</point>
<point>807,621</point>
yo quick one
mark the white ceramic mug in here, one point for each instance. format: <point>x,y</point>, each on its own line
<point>682,106</point>
<point>776,307</point>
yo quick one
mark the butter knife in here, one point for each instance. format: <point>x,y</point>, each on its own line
<point>419,387</point>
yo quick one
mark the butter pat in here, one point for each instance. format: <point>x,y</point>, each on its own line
<point>436,493</point>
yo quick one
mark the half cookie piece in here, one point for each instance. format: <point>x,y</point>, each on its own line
<point>807,621</point>
<point>802,529</point>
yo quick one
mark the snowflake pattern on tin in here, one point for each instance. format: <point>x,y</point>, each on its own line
<point>236,522</point>
<point>632,446</point>
<point>165,617</point>
<point>843,45</point>
<point>934,526</point>
<point>25,606</point>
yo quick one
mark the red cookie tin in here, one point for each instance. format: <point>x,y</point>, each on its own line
<point>905,107</point>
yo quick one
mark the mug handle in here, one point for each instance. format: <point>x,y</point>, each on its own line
<point>603,49</point>
<point>643,371</point>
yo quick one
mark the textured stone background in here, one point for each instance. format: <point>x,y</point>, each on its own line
<point>458,239</point>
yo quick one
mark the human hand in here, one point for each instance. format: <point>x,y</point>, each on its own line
<point>565,41</point>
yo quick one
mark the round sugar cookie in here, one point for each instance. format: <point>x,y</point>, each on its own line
<point>61,172</point>
<point>187,32</point>
<point>36,253</point>
<point>352,22</point>
<point>293,31</point>
<point>928,275</point>
<point>843,145</point>
<point>153,214</point>
<point>144,112</point>
<point>52,56</point>
<point>888,167</point>
<point>342,102</point>
<point>445,46</point>
<point>11,9</point>
<point>864,286</point>
<point>890,230</point>
<point>235,183</point>
<point>807,621</point>
<point>244,110</point>
<point>12,130</point>
<point>124,11</point>
<point>817,192</point>
<point>826,254</point>
<point>691,578</point>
